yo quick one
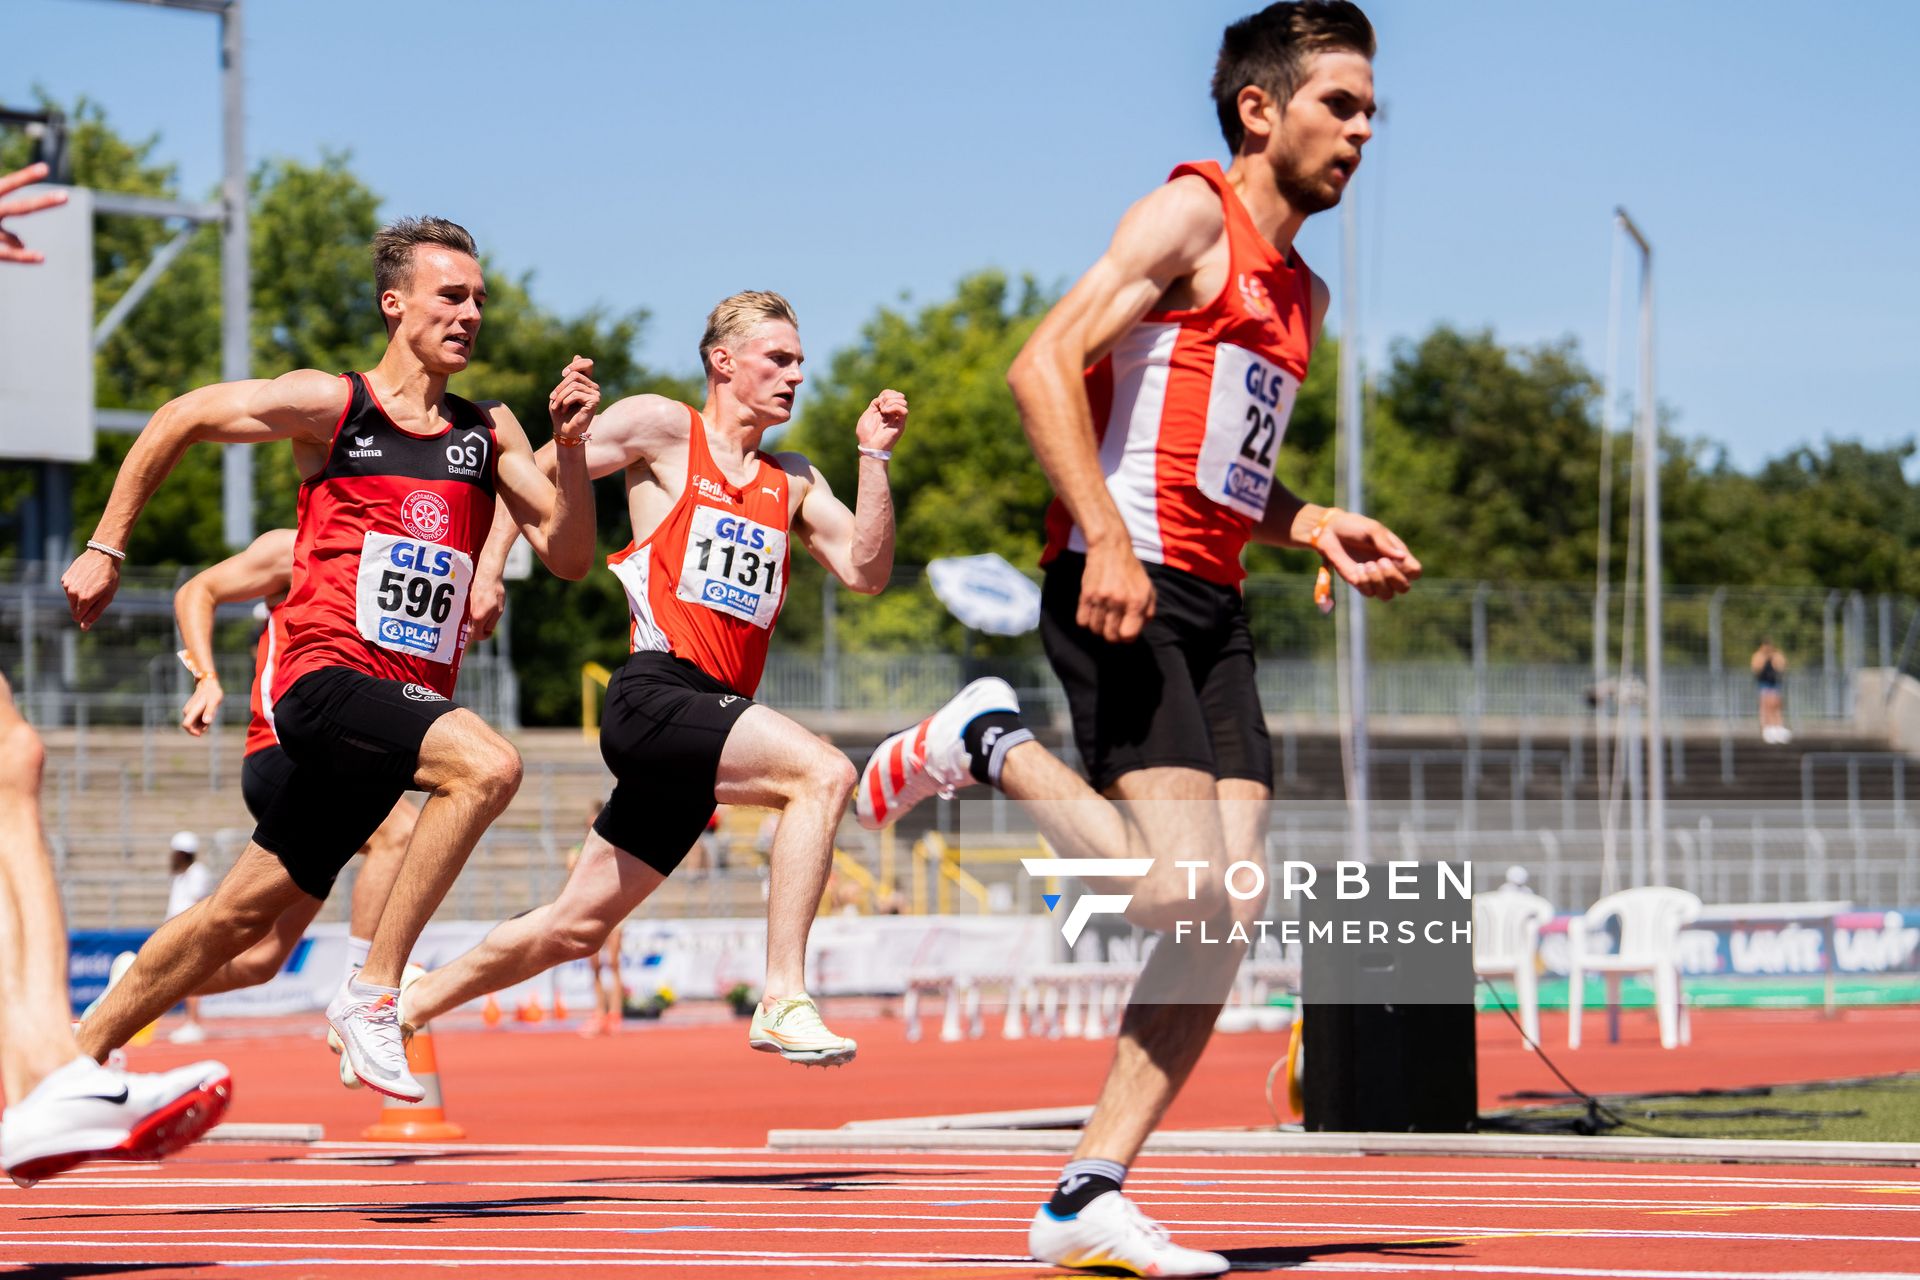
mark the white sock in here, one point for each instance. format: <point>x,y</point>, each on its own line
<point>357,951</point>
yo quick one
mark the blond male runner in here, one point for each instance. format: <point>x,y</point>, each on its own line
<point>706,575</point>
<point>63,1108</point>
<point>263,571</point>
<point>1155,394</point>
<point>398,495</point>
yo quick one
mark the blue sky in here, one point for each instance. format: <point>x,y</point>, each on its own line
<point>646,154</point>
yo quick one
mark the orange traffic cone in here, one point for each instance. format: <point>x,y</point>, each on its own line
<point>490,1011</point>
<point>530,1010</point>
<point>422,1121</point>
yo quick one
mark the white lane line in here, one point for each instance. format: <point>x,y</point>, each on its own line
<point>749,1255</point>
<point>549,1256</point>
<point>1607,1273</point>
<point>975,1226</point>
<point>1190,1190</point>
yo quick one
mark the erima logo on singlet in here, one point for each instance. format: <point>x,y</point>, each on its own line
<point>366,449</point>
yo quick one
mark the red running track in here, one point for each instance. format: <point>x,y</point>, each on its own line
<point>644,1151</point>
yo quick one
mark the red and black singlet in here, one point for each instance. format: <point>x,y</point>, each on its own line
<point>383,556</point>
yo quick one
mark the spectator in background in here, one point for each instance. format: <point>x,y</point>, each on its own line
<point>1769,666</point>
<point>191,882</point>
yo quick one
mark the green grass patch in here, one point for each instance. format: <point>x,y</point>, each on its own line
<point>1877,1109</point>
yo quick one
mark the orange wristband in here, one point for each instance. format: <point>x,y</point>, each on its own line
<point>563,442</point>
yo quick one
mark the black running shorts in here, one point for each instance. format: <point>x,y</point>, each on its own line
<point>349,746</point>
<point>665,724</point>
<point>1181,696</point>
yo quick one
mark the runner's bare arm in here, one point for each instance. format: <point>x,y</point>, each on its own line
<point>303,405</point>
<point>260,572</point>
<point>1161,239</point>
<point>633,430</point>
<point>856,546</point>
<point>554,510</point>
<point>1364,552</point>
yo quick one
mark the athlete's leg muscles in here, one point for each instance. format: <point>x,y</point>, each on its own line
<point>379,864</point>
<point>1081,823</point>
<point>470,774</point>
<point>1161,1040</point>
<point>606,885</point>
<point>191,947</point>
<point>771,761</point>
<point>36,1032</point>
<point>259,962</point>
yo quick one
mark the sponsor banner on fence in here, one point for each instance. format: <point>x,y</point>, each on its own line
<point>1864,943</point>
<point>696,959</point>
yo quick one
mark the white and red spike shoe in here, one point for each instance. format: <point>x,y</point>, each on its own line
<point>929,759</point>
<point>85,1111</point>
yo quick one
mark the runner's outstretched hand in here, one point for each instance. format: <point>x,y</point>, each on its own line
<point>1367,555</point>
<point>881,426</point>
<point>11,247</point>
<point>572,404</point>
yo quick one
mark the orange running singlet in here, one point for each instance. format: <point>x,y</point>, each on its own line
<point>1190,407</point>
<point>707,585</point>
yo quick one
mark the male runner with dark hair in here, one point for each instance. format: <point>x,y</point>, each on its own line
<point>398,495</point>
<point>706,575</point>
<point>63,1108</point>
<point>1155,394</point>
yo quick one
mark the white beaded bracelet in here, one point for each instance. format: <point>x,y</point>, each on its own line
<point>106,550</point>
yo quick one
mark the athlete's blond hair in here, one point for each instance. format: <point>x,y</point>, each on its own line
<point>735,317</point>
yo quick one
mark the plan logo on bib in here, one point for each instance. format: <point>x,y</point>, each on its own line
<point>1093,904</point>
<point>425,514</point>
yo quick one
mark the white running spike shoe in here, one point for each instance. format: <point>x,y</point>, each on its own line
<point>85,1111</point>
<point>410,975</point>
<point>929,759</point>
<point>1112,1232</point>
<point>794,1031</point>
<point>368,1027</point>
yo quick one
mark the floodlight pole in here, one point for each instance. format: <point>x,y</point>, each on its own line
<point>1648,432</point>
<point>236,271</point>
<point>1359,793</point>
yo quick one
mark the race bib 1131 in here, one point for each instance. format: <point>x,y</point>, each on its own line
<point>734,566</point>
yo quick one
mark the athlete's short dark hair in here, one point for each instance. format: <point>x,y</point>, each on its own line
<point>1269,50</point>
<point>393,247</point>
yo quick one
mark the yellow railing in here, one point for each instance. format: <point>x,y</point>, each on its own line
<point>591,674</point>
<point>933,851</point>
<point>849,866</point>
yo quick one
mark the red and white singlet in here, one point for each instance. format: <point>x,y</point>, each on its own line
<point>383,555</point>
<point>707,585</point>
<point>266,652</point>
<point>1190,407</point>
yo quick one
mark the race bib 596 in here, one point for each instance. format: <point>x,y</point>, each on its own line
<point>411,595</point>
<point>1247,411</point>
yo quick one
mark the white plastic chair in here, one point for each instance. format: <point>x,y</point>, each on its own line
<point>1650,924</point>
<point>1506,944</point>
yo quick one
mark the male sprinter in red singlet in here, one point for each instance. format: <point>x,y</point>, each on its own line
<point>1155,394</point>
<point>400,478</point>
<point>706,575</point>
<point>264,571</point>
